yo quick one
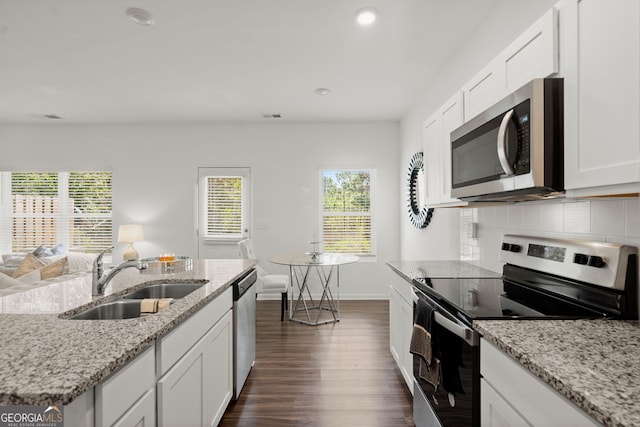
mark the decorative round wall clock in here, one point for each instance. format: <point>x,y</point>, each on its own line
<point>419,213</point>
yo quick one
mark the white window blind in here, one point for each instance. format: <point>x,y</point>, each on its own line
<point>47,208</point>
<point>347,215</point>
<point>224,216</point>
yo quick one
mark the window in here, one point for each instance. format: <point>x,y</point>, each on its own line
<point>223,200</point>
<point>47,208</point>
<point>347,212</point>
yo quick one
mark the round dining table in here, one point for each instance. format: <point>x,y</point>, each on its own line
<point>304,307</point>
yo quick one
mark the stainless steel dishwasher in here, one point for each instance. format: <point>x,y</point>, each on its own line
<point>244,329</point>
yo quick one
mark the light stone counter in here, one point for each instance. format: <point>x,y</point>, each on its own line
<point>48,359</point>
<point>440,269</point>
<point>594,363</point>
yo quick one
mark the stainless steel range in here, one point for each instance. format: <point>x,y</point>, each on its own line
<point>541,279</point>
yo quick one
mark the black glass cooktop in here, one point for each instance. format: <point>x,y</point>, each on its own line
<point>483,299</point>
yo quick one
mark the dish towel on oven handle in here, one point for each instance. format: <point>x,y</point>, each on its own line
<point>448,348</point>
<point>422,344</point>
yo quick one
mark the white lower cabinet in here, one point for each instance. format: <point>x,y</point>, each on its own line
<point>123,398</point>
<point>401,327</point>
<point>197,389</point>
<point>513,396</point>
<point>184,379</point>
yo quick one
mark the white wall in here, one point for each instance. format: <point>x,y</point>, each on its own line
<point>440,239</point>
<point>155,169</point>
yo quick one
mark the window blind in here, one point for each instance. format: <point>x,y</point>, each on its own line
<point>72,208</point>
<point>224,207</point>
<point>347,220</point>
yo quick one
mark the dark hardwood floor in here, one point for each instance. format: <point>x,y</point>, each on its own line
<point>339,374</point>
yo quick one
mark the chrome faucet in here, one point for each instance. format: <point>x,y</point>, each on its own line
<point>99,281</point>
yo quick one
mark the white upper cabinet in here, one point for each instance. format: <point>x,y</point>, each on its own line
<point>601,66</point>
<point>437,151</point>
<point>534,54</point>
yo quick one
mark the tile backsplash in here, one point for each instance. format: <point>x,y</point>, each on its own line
<point>608,220</point>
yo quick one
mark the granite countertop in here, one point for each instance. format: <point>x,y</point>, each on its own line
<point>440,269</point>
<point>48,359</point>
<point>593,363</point>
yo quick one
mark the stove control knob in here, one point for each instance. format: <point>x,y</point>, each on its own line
<point>596,261</point>
<point>581,259</point>
<point>511,247</point>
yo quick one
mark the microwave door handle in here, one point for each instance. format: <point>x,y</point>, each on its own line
<point>469,335</point>
<point>502,143</point>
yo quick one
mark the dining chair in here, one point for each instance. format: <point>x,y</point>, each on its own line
<point>267,283</point>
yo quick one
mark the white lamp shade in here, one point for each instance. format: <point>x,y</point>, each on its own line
<point>130,233</point>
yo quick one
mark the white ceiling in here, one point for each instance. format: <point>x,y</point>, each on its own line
<point>224,60</point>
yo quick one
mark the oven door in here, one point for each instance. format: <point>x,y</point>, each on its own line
<point>436,406</point>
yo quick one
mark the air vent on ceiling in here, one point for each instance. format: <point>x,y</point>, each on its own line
<point>46,116</point>
<point>272,116</point>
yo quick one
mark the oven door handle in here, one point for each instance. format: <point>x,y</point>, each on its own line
<point>467,334</point>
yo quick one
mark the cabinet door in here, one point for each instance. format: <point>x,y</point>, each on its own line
<point>495,411</point>
<point>601,65</point>
<point>218,374</point>
<point>483,90</point>
<point>181,391</point>
<point>400,329</point>
<point>431,157</point>
<point>142,413</point>
<point>534,54</point>
<point>451,116</point>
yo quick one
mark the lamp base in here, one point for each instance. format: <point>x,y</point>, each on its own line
<point>130,254</point>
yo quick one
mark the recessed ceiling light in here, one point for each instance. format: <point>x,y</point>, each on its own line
<point>140,16</point>
<point>366,16</point>
<point>271,116</point>
<point>322,91</point>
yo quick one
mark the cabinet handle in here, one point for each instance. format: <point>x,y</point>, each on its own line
<point>502,143</point>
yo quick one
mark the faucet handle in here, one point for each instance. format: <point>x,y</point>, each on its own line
<point>142,265</point>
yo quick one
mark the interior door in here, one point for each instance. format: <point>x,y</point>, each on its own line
<point>224,206</point>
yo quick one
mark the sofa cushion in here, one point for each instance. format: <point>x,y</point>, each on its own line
<point>29,263</point>
<point>8,282</point>
<point>79,261</point>
<point>30,278</point>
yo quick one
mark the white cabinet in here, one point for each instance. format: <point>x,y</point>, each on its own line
<point>197,383</point>
<point>601,67</point>
<point>123,398</point>
<point>401,326</point>
<point>512,396</point>
<point>437,151</point>
<point>534,54</point>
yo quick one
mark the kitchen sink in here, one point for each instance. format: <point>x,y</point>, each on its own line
<point>120,309</point>
<point>164,290</point>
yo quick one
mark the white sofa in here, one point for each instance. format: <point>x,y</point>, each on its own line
<point>35,272</point>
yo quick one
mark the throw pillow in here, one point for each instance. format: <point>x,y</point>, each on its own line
<point>42,251</point>
<point>29,263</point>
<point>54,269</point>
<point>12,259</point>
<point>58,249</point>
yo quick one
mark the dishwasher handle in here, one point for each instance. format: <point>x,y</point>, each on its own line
<point>242,285</point>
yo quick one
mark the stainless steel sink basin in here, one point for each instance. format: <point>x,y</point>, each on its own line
<point>165,290</point>
<point>120,309</point>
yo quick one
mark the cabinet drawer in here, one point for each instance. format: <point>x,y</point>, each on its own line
<point>536,401</point>
<point>176,343</point>
<point>118,393</point>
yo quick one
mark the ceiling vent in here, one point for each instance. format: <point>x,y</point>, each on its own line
<point>272,116</point>
<point>46,116</point>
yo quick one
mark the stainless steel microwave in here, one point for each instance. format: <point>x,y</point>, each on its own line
<point>513,150</point>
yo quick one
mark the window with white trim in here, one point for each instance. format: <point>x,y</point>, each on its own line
<point>223,203</point>
<point>347,221</point>
<point>48,208</point>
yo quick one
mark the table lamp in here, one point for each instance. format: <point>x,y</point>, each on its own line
<point>130,233</point>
